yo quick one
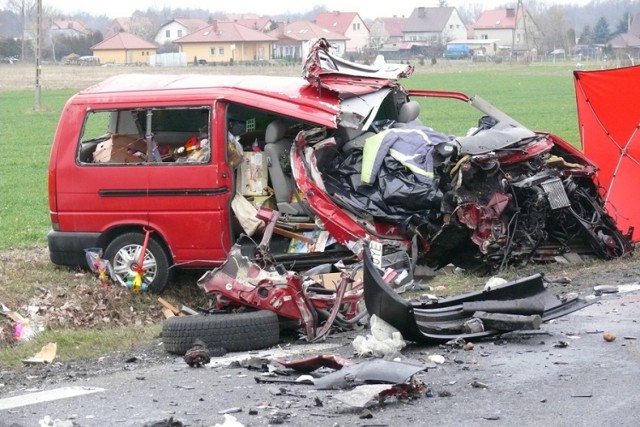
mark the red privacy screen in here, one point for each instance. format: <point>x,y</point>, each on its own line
<point>608,121</point>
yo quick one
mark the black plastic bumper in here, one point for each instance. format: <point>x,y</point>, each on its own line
<point>442,321</point>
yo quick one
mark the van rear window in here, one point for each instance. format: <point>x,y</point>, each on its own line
<point>146,135</point>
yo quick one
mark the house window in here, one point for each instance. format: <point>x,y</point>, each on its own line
<point>451,26</point>
<point>167,33</point>
<point>179,33</point>
<point>221,51</point>
<point>484,37</point>
<point>212,51</point>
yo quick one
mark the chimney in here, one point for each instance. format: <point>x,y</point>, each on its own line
<point>422,13</point>
<point>511,12</point>
<point>214,26</point>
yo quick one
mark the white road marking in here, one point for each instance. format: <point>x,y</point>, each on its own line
<point>46,396</point>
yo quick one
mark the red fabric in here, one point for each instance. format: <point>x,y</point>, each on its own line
<point>609,124</point>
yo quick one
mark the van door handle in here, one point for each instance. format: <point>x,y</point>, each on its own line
<point>224,174</point>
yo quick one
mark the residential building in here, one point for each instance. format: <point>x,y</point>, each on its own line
<point>124,48</point>
<point>64,28</point>
<point>386,30</point>
<point>514,28</point>
<point>177,28</point>
<point>293,39</point>
<point>350,25</point>
<point>226,42</point>
<point>629,42</point>
<point>434,25</point>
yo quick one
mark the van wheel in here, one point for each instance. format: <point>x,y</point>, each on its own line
<point>249,330</point>
<point>124,253</point>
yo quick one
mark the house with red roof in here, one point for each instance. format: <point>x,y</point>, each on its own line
<point>386,30</point>
<point>515,29</point>
<point>177,28</point>
<point>434,25</point>
<point>350,25</point>
<point>67,28</point>
<point>294,37</point>
<point>226,42</point>
<point>124,48</point>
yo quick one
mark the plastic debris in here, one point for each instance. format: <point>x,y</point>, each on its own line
<point>44,356</point>
<point>384,339</point>
<point>229,421</point>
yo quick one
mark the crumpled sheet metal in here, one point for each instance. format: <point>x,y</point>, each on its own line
<point>443,320</point>
<point>374,371</point>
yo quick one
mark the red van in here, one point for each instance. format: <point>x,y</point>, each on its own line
<point>164,157</point>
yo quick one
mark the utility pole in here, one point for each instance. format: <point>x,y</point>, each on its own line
<point>37,104</point>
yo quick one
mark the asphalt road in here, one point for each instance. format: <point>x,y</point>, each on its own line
<point>566,374</point>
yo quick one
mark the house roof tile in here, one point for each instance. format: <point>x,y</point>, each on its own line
<point>123,41</point>
<point>225,32</point>
<point>428,19</point>
<point>305,31</point>
<point>497,19</point>
<point>336,21</point>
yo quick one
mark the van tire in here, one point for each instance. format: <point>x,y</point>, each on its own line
<point>126,244</point>
<point>250,330</point>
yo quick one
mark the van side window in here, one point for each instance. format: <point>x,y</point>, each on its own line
<point>165,136</point>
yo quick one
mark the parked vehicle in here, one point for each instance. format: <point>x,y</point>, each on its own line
<point>457,51</point>
<point>168,171</point>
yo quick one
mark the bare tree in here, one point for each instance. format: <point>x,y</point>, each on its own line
<point>25,9</point>
<point>554,28</point>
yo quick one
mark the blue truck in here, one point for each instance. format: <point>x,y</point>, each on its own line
<point>457,51</point>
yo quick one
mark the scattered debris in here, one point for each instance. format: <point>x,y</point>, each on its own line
<point>561,344</point>
<point>229,421</point>
<point>519,304</point>
<point>198,355</point>
<point>370,372</point>
<point>478,384</point>
<point>609,336</point>
<point>44,356</point>
<point>605,289</point>
<point>311,363</point>
<point>384,339</point>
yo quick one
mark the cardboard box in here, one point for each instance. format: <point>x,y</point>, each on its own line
<point>121,149</point>
<point>332,280</point>
<point>254,175</point>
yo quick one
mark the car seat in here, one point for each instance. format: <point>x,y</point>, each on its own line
<point>277,146</point>
<point>408,114</point>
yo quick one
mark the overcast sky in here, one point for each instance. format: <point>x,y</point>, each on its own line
<point>373,9</point>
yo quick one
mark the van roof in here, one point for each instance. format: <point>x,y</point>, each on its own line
<point>292,96</point>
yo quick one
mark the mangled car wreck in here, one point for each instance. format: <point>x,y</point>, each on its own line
<point>343,157</point>
<point>379,185</point>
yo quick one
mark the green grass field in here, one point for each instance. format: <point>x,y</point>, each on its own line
<point>539,96</point>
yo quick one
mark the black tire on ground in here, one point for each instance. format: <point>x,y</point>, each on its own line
<point>252,330</point>
<point>123,250</point>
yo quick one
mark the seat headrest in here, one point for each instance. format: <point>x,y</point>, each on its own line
<point>409,111</point>
<point>276,130</point>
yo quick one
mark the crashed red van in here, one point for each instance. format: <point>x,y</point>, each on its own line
<point>169,171</point>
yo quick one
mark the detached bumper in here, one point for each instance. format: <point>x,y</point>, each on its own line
<point>68,248</point>
<point>445,320</point>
